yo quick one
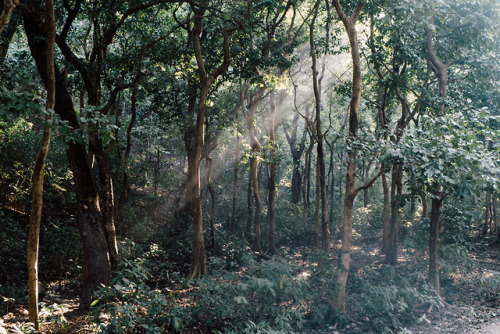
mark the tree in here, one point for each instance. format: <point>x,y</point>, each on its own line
<point>199,262</point>
<point>38,171</point>
<point>350,191</point>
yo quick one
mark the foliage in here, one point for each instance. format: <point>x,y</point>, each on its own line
<point>387,297</point>
<point>266,295</point>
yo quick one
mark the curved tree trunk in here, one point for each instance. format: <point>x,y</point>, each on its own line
<point>325,233</point>
<point>7,35</point>
<point>254,165</point>
<point>350,191</point>
<point>38,171</point>
<point>441,72</point>
<point>199,260</point>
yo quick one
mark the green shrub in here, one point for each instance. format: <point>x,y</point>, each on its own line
<point>265,296</point>
<point>387,297</point>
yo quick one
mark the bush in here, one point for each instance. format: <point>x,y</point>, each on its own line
<point>387,297</point>
<point>265,296</point>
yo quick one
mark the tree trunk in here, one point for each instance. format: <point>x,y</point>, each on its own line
<point>434,238</point>
<point>254,165</point>
<point>307,181</point>
<point>38,170</point>
<point>487,214</point>
<point>274,119</point>
<point>7,34</point>
<point>5,10</point>
<point>441,72</point>
<point>396,189</point>
<point>385,228</point>
<point>350,194</point>
<point>316,209</point>
<point>198,260</point>
<point>107,202</point>
<point>212,203</point>
<point>325,233</point>
<point>122,207</point>
<point>423,199</point>
<point>96,265</point>
<point>296,155</point>
<point>235,178</point>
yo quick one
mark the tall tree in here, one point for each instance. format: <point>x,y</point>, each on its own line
<point>325,233</point>
<point>350,191</point>
<point>39,169</point>
<point>198,260</point>
<point>96,264</point>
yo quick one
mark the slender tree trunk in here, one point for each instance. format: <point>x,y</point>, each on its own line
<point>396,189</point>
<point>125,191</point>
<point>385,228</point>
<point>487,212</point>
<point>434,239</point>
<point>316,208</point>
<point>296,156</point>
<point>235,178</point>
<point>307,181</point>
<point>38,171</point>
<point>325,233</point>
<point>254,166</point>
<point>274,119</point>
<point>350,194</point>
<point>365,192</point>
<point>246,229</point>
<point>441,72</point>
<point>212,203</point>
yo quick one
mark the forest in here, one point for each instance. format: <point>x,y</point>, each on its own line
<point>249,166</point>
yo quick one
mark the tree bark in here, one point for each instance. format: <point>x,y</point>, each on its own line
<point>325,233</point>
<point>435,227</point>
<point>122,207</point>
<point>235,178</point>
<point>38,171</point>
<point>385,228</point>
<point>274,120</point>
<point>96,265</point>
<point>199,260</point>
<point>5,10</point>
<point>7,34</point>
<point>212,202</point>
<point>254,164</point>
<point>296,155</point>
<point>345,253</point>
<point>441,71</point>
<point>396,192</point>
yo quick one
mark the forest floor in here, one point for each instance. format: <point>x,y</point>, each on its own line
<point>469,306</point>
